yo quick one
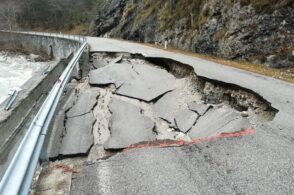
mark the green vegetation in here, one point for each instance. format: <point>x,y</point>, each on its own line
<point>268,6</point>
<point>150,7</point>
<point>221,33</point>
<point>130,9</point>
<point>196,12</point>
<point>169,11</point>
<point>191,9</point>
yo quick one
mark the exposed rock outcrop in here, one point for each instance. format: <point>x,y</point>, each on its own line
<point>258,31</point>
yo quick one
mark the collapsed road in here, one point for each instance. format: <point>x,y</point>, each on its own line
<point>146,121</point>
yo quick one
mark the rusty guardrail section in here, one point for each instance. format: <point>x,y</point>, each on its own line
<point>18,176</point>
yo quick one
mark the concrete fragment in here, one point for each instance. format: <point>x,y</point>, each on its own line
<point>217,121</point>
<point>112,74</point>
<point>185,119</point>
<point>149,83</point>
<point>85,103</point>
<point>78,138</point>
<point>128,125</point>
<point>201,109</point>
<point>167,106</point>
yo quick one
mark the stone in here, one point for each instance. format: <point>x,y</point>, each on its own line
<point>275,61</point>
<point>185,119</point>
<point>128,125</point>
<point>149,83</point>
<point>217,121</point>
<point>116,74</point>
<point>201,109</point>
<point>244,114</point>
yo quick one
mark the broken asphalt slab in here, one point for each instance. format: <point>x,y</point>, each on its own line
<point>116,74</point>
<point>128,125</point>
<point>201,109</point>
<point>141,82</point>
<point>185,119</point>
<point>57,126</point>
<point>78,137</point>
<point>85,103</point>
<point>217,121</point>
<point>150,83</point>
<point>167,106</point>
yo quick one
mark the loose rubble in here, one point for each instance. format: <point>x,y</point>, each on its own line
<point>128,103</point>
<point>143,102</point>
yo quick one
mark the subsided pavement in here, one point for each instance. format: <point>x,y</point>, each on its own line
<point>255,163</point>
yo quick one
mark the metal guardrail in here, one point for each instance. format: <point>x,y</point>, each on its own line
<point>19,175</point>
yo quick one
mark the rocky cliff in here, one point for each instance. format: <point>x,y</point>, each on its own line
<point>260,31</point>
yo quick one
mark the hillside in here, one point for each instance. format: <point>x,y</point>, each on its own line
<point>259,31</point>
<point>73,16</point>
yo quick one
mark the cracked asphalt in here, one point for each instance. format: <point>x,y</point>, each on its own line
<point>259,163</point>
<point>245,165</point>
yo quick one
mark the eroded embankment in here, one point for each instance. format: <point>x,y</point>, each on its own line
<point>160,98</point>
<point>129,102</point>
<point>217,92</point>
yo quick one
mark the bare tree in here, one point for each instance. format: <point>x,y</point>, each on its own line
<point>8,14</point>
<point>171,5</point>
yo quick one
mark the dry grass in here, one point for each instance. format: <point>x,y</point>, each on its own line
<point>78,30</point>
<point>285,74</point>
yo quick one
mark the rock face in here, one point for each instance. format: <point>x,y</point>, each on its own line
<point>243,29</point>
<point>128,125</point>
<point>109,15</point>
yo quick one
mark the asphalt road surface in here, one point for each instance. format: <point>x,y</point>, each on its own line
<point>258,163</point>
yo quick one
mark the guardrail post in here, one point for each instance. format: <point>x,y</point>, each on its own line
<point>44,155</point>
